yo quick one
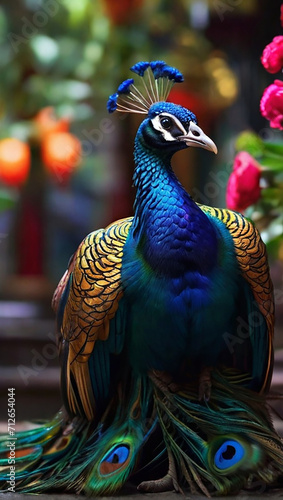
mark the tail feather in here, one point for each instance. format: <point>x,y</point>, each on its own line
<point>219,445</point>
<point>119,447</point>
<point>80,456</point>
<point>111,468</point>
<point>41,453</point>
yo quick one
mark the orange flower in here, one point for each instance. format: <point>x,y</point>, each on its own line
<point>46,122</point>
<point>61,154</point>
<point>15,160</point>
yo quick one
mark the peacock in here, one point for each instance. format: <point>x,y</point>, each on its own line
<point>165,332</point>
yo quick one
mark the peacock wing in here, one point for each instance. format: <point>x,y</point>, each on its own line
<point>87,298</point>
<point>252,260</point>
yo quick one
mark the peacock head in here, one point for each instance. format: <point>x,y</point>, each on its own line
<point>172,127</point>
<point>168,127</point>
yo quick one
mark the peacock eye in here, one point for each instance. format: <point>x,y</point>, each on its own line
<point>230,453</point>
<point>114,459</point>
<point>166,122</point>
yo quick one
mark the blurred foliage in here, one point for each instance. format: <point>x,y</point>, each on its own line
<point>267,213</point>
<point>7,199</point>
<point>70,53</point>
<point>50,53</point>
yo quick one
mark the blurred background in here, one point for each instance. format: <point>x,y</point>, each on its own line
<point>66,165</point>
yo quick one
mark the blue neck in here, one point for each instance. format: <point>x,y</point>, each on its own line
<point>170,230</point>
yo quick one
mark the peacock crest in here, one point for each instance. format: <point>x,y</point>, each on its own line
<point>152,83</point>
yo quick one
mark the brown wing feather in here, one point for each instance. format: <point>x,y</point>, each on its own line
<point>252,258</point>
<point>95,291</point>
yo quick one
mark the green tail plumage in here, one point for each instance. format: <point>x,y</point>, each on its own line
<point>221,445</point>
<point>106,464</point>
<point>42,454</point>
<point>78,456</point>
<point>218,446</point>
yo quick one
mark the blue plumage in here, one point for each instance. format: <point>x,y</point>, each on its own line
<point>170,261</point>
<point>112,103</point>
<point>184,115</point>
<point>160,70</point>
<point>153,83</point>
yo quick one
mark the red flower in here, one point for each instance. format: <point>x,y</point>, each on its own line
<point>271,104</point>
<point>272,56</point>
<point>243,187</point>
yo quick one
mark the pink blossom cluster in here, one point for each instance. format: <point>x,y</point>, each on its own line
<point>271,104</point>
<point>243,187</point>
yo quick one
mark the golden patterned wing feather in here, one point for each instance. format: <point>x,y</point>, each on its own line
<point>86,299</point>
<point>252,259</point>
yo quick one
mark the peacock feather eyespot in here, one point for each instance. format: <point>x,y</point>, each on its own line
<point>229,454</point>
<point>114,459</point>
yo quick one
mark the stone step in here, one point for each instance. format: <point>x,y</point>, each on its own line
<point>37,392</point>
<point>35,352</point>
<point>29,378</point>
<point>27,335</point>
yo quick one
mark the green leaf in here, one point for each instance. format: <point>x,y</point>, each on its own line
<point>250,142</point>
<point>46,50</point>
<point>273,194</point>
<point>21,130</point>
<point>6,204</point>
<point>7,200</point>
<point>274,148</point>
<point>273,246</point>
<point>3,24</point>
<point>274,229</point>
<point>77,10</point>
<point>272,162</point>
<point>73,89</point>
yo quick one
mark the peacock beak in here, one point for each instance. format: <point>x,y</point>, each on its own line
<point>198,139</point>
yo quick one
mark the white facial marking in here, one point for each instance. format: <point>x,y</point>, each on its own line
<point>156,122</point>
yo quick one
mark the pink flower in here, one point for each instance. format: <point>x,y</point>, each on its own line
<point>271,104</point>
<point>272,56</point>
<point>243,187</point>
